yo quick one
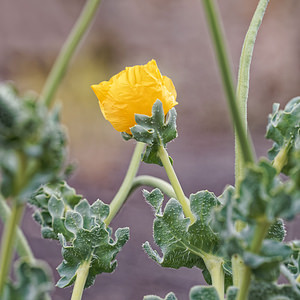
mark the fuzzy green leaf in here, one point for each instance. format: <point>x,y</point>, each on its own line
<point>284,129</point>
<point>260,290</point>
<point>170,296</point>
<point>33,282</point>
<point>262,193</point>
<point>155,131</point>
<point>277,231</point>
<point>91,240</point>
<point>183,244</point>
<point>203,293</point>
<point>52,201</point>
<point>265,265</point>
<point>32,144</point>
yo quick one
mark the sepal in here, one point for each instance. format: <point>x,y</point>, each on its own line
<point>155,131</point>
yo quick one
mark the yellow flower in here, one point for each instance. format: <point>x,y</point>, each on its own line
<point>134,91</point>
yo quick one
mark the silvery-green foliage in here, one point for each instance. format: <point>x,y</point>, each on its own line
<point>155,131</point>
<point>32,144</point>
<point>52,201</point>
<point>203,293</point>
<point>33,282</point>
<point>261,290</point>
<point>284,129</point>
<point>293,263</point>
<point>91,241</point>
<point>170,296</point>
<point>196,293</point>
<point>184,244</point>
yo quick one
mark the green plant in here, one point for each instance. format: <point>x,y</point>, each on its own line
<point>236,239</point>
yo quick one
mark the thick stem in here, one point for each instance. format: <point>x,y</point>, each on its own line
<point>227,78</point>
<point>243,81</point>
<point>215,268</point>
<point>22,246</point>
<point>81,276</point>
<point>260,232</point>
<point>68,49</point>
<point>7,244</point>
<point>125,188</point>
<point>154,182</point>
<point>238,268</point>
<point>164,157</point>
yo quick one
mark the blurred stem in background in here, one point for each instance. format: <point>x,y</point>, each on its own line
<point>7,242</point>
<point>243,80</point>
<point>59,68</point>
<point>54,79</point>
<point>238,267</point>
<point>213,21</point>
<point>244,151</point>
<point>22,245</point>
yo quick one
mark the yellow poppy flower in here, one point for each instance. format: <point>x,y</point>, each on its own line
<point>134,91</point>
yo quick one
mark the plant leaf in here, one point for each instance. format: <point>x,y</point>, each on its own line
<point>154,131</point>
<point>170,296</point>
<point>183,244</point>
<point>33,282</point>
<point>91,241</point>
<point>203,293</point>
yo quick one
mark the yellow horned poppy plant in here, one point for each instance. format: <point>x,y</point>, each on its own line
<point>134,91</point>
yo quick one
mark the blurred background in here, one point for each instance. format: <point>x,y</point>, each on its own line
<point>131,32</point>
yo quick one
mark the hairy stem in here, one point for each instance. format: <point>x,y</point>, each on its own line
<point>215,267</point>
<point>164,157</point>
<point>59,68</point>
<point>154,182</point>
<point>22,246</point>
<point>227,78</point>
<point>81,276</point>
<point>243,80</point>
<point>125,188</point>
<point>260,232</point>
<point>7,243</point>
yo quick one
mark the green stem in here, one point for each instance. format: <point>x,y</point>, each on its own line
<point>7,243</point>
<point>215,267</point>
<point>227,78</point>
<point>154,182</point>
<point>125,188</point>
<point>81,276</point>
<point>243,80</point>
<point>298,279</point>
<point>68,49</point>
<point>261,230</point>
<point>164,157</point>
<point>22,245</point>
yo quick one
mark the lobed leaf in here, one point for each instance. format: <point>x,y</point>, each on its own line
<point>91,241</point>
<point>52,201</point>
<point>284,129</point>
<point>154,131</point>
<point>33,282</point>
<point>183,244</point>
<point>32,144</point>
